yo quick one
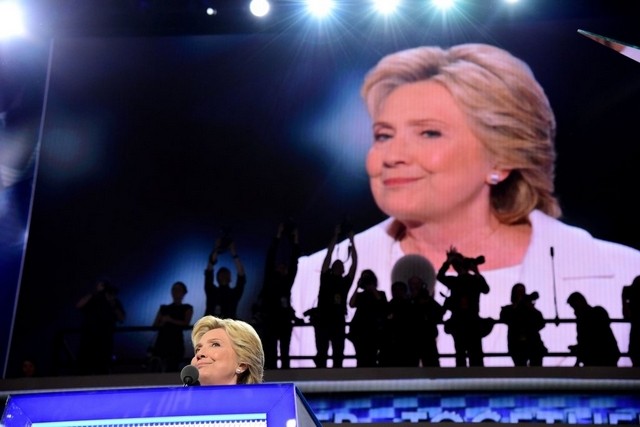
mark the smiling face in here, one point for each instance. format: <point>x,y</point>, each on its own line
<point>425,163</point>
<point>216,359</point>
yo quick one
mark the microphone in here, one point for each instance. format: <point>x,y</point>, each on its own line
<point>189,375</point>
<point>414,265</point>
<point>555,292</point>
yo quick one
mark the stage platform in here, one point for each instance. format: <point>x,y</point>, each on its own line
<point>396,396</point>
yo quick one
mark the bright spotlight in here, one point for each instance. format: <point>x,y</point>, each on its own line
<point>11,20</point>
<point>259,8</point>
<point>443,4</point>
<point>386,6</point>
<point>320,8</point>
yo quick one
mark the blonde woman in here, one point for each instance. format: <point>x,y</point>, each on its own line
<point>227,351</point>
<point>463,154</point>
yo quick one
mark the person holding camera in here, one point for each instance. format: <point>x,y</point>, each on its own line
<point>274,315</point>
<point>631,312</point>
<point>329,319</point>
<point>465,324</point>
<point>170,321</point>
<point>101,311</point>
<point>222,300</point>
<point>596,344</point>
<point>524,322</point>
<point>425,314</point>
<point>368,320</point>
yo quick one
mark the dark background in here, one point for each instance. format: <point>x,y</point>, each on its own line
<point>157,138</point>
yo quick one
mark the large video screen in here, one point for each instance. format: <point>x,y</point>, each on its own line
<point>154,147</point>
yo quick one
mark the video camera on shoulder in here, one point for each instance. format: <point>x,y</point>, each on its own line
<point>477,260</point>
<point>532,296</point>
<point>472,263</point>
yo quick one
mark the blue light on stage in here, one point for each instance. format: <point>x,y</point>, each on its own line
<point>566,408</point>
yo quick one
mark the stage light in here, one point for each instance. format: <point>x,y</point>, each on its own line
<point>259,8</point>
<point>320,8</point>
<point>443,4</point>
<point>386,6</point>
<point>11,20</point>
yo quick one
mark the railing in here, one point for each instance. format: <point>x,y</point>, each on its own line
<point>136,358</point>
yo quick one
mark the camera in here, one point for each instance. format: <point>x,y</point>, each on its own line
<point>346,226</point>
<point>477,260</point>
<point>225,240</point>
<point>473,262</point>
<point>289,226</point>
<point>532,296</point>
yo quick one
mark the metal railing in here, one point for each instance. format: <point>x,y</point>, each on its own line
<point>140,359</point>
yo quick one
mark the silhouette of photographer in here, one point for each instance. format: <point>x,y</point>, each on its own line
<point>398,348</point>
<point>329,317</point>
<point>222,300</point>
<point>102,311</point>
<point>524,322</point>
<point>596,344</point>
<point>368,320</point>
<point>171,320</point>
<point>274,313</point>
<point>465,324</point>
<point>631,312</point>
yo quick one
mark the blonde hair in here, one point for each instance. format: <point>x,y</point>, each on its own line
<point>245,341</point>
<point>507,110</point>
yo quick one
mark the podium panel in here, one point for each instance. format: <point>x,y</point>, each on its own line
<point>259,405</point>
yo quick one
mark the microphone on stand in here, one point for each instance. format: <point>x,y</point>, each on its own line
<point>189,375</point>
<point>414,265</point>
<point>555,297</point>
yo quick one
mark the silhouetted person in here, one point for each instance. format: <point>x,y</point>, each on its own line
<point>426,314</point>
<point>102,311</point>
<point>222,300</point>
<point>329,320</point>
<point>631,312</point>
<point>596,344</point>
<point>28,368</point>
<point>398,346</point>
<point>524,322</point>
<point>465,325</point>
<point>366,326</point>
<point>171,321</point>
<point>276,315</point>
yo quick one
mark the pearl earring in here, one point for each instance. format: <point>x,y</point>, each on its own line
<point>238,371</point>
<point>494,178</point>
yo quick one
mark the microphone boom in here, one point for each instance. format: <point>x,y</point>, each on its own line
<point>189,375</point>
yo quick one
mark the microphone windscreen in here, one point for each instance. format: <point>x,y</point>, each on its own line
<point>189,375</point>
<point>414,265</point>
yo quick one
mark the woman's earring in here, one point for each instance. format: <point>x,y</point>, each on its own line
<point>239,371</point>
<point>494,178</point>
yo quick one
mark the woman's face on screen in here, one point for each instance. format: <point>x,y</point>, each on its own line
<point>425,163</point>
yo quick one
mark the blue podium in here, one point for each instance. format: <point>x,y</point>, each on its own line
<point>259,405</point>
